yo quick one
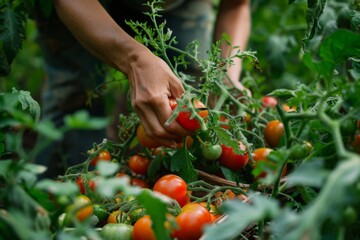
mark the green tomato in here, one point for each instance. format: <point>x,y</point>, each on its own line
<point>349,215</point>
<point>301,151</point>
<point>211,151</point>
<point>117,231</point>
<point>100,212</point>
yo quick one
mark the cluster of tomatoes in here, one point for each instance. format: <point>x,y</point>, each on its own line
<point>116,223</point>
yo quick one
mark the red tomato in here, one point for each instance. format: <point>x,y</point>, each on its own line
<point>142,229</point>
<point>232,160</point>
<point>144,139</point>
<point>273,132</point>
<point>139,164</point>
<point>184,117</point>
<point>103,155</point>
<point>139,182</point>
<point>191,222</point>
<point>174,187</point>
<point>80,183</point>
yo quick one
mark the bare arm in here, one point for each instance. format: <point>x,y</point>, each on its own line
<point>151,80</point>
<point>234,19</point>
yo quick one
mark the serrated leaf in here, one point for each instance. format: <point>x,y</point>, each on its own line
<point>157,210</point>
<point>233,224</point>
<point>310,173</point>
<point>106,168</point>
<point>181,162</point>
<point>12,31</point>
<point>82,120</point>
<point>27,102</point>
<point>58,188</point>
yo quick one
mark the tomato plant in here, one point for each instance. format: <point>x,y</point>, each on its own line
<point>191,222</point>
<point>144,139</point>
<point>273,132</point>
<point>117,231</point>
<point>139,164</point>
<point>184,118</point>
<point>174,187</point>
<point>211,151</point>
<point>103,155</point>
<point>232,160</point>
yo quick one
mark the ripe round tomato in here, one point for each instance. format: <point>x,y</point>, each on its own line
<point>174,187</point>
<point>268,102</point>
<point>118,216</point>
<point>211,151</point>
<point>80,183</point>
<point>139,164</point>
<point>117,231</point>
<point>232,160</point>
<point>273,132</point>
<point>184,117</point>
<point>144,139</point>
<point>82,206</point>
<point>139,182</point>
<point>103,155</point>
<point>142,229</point>
<point>191,222</point>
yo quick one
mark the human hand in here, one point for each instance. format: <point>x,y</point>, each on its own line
<point>152,83</point>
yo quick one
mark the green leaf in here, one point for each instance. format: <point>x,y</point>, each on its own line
<point>310,173</point>
<point>157,210</point>
<point>82,120</point>
<point>233,225</point>
<point>315,9</point>
<point>335,49</point>
<point>12,31</point>
<point>58,188</point>
<point>48,129</point>
<point>181,162</point>
<point>109,187</point>
<point>4,167</point>
<point>106,168</point>
<point>27,102</point>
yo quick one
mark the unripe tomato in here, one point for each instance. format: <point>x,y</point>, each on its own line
<point>174,187</point>
<point>211,151</point>
<point>191,222</point>
<point>103,155</point>
<point>100,212</point>
<point>301,150</point>
<point>273,132</point>
<point>139,164</point>
<point>117,231</point>
<point>184,117</point>
<point>144,139</point>
<point>232,160</point>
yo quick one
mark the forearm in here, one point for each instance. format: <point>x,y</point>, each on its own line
<point>234,19</point>
<point>99,33</point>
